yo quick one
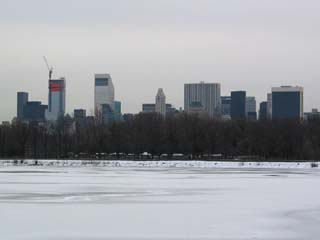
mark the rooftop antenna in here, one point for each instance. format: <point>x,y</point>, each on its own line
<point>50,69</point>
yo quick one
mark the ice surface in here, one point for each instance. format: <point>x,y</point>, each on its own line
<point>148,202</point>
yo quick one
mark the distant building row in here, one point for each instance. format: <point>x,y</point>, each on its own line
<point>106,107</point>
<point>202,98</point>
<point>284,102</point>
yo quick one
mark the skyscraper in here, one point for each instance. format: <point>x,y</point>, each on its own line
<point>79,114</point>
<point>269,106</point>
<point>161,102</point>
<point>22,99</point>
<point>238,105</point>
<point>207,94</point>
<point>103,92</point>
<point>226,107</point>
<point>251,108</point>
<point>117,111</point>
<point>287,102</point>
<point>57,99</point>
<point>263,111</point>
<point>34,112</point>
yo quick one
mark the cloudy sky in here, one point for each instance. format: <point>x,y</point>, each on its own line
<point>247,45</point>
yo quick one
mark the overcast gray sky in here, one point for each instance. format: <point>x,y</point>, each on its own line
<point>247,45</point>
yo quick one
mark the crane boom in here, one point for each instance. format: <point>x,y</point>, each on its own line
<point>49,68</point>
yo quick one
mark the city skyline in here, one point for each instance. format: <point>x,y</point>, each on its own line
<point>241,44</point>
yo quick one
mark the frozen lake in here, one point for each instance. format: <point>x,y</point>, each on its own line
<point>82,203</point>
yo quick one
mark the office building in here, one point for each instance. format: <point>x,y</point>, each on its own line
<point>263,111</point>
<point>117,111</point>
<point>226,107</point>
<point>103,92</point>
<point>207,94</point>
<point>79,114</point>
<point>314,114</point>
<point>128,117</point>
<point>197,108</point>
<point>34,111</point>
<point>107,113</point>
<point>57,99</point>
<point>238,105</point>
<point>170,110</point>
<point>269,106</point>
<point>287,102</point>
<point>151,108</point>
<point>148,108</point>
<point>252,116</point>
<point>161,102</point>
<point>22,99</point>
<point>251,108</point>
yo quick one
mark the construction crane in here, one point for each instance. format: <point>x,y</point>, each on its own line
<point>50,69</point>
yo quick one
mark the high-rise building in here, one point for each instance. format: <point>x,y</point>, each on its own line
<point>57,99</point>
<point>117,111</point>
<point>151,108</point>
<point>226,107</point>
<point>148,107</point>
<point>269,106</point>
<point>22,99</point>
<point>314,114</point>
<point>107,114</point>
<point>263,111</point>
<point>207,94</point>
<point>287,102</point>
<point>79,114</point>
<point>238,105</point>
<point>170,110</point>
<point>197,108</point>
<point>103,92</point>
<point>161,102</point>
<point>251,108</point>
<point>34,112</point>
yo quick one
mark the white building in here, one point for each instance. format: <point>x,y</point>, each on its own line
<point>161,102</point>
<point>207,94</point>
<point>103,92</point>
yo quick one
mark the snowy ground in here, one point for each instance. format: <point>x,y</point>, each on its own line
<point>84,203</point>
<point>165,164</point>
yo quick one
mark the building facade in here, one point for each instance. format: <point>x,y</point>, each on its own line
<point>251,108</point>
<point>22,99</point>
<point>226,107</point>
<point>103,92</point>
<point>151,108</point>
<point>287,102</point>
<point>117,111</point>
<point>269,106</point>
<point>148,108</point>
<point>56,99</point>
<point>79,114</point>
<point>34,112</point>
<point>207,94</point>
<point>263,111</point>
<point>238,105</point>
<point>161,102</point>
<point>314,114</point>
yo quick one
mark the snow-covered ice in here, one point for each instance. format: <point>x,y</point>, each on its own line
<point>149,202</point>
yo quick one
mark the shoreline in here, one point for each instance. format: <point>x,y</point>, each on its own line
<point>164,164</point>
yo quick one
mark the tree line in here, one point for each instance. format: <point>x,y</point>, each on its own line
<point>193,136</point>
